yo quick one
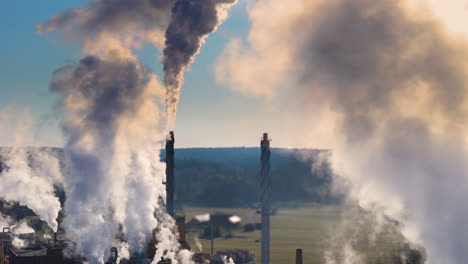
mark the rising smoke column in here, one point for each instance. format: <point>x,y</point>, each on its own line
<point>124,24</point>
<point>113,120</point>
<point>113,130</point>
<point>112,124</point>
<point>191,22</point>
<point>387,83</point>
<point>112,151</point>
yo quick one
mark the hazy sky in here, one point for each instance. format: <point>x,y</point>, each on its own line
<point>209,114</point>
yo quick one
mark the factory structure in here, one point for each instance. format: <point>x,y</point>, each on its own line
<point>37,251</point>
<point>239,256</point>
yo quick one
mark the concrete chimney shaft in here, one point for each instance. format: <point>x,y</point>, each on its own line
<point>170,173</point>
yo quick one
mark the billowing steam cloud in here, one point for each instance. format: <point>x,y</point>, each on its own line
<point>107,25</point>
<point>28,175</point>
<point>115,177</point>
<point>32,186</point>
<point>121,25</point>
<point>113,119</point>
<point>387,82</point>
<point>191,22</point>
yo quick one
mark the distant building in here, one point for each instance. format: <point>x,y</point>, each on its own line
<point>238,256</point>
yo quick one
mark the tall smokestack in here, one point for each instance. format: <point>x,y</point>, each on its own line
<point>170,174</point>
<point>265,197</point>
<point>299,256</point>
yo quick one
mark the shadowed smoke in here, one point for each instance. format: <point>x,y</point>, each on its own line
<point>388,83</point>
<point>191,22</point>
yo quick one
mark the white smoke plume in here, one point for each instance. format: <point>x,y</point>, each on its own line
<point>29,174</point>
<point>198,244</point>
<point>385,84</point>
<point>16,229</point>
<point>167,237</point>
<point>115,177</point>
<point>227,260</point>
<point>191,22</point>
<point>185,257</point>
<point>22,228</point>
<point>18,242</point>
<point>123,251</point>
<point>37,186</point>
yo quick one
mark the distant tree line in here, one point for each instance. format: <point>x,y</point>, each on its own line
<point>228,177</point>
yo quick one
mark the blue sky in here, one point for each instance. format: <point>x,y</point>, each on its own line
<point>209,114</point>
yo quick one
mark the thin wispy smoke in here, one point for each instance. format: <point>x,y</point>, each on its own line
<point>387,82</point>
<point>190,24</point>
<point>198,244</point>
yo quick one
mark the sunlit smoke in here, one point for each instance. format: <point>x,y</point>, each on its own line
<point>115,177</point>
<point>29,174</point>
<point>113,119</point>
<point>386,83</point>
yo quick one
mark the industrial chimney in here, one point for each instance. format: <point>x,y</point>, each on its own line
<point>170,174</point>
<point>299,256</point>
<point>265,197</point>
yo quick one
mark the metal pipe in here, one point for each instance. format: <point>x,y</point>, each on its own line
<point>265,197</point>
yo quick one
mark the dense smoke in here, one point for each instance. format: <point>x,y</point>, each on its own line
<point>112,123</point>
<point>115,177</point>
<point>113,120</point>
<point>191,22</point>
<point>108,25</point>
<point>386,81</point>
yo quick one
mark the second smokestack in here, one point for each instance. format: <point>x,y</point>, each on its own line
<point>265,197</point>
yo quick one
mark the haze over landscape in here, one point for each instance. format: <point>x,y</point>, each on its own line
<point>365,103</point>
